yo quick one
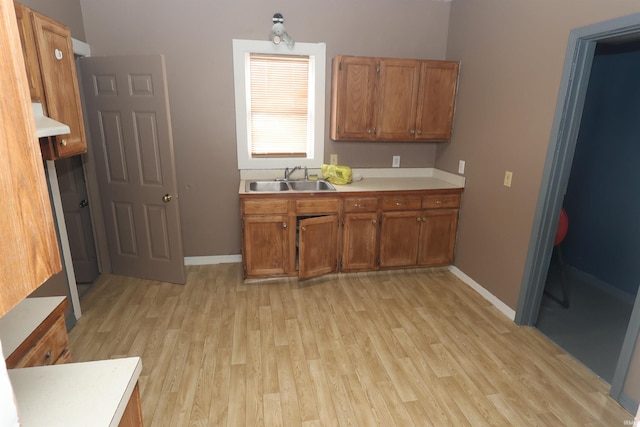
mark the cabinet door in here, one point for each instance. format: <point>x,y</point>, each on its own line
<point>353,99</point>
<point>318,244</point>
<point>399,234</point>
<point>436,100</point>
<point>360,237</point>
<point>397,98</point>
<point>25,29</point>
<point>29,249</point>
<point>60,82</point>
<point>265,245</point>
<point>437,237</point>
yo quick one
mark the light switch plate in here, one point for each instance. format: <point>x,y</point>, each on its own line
<point>396,162</point>
<point>333,159</point>
<point>508,175</point>
<point>461,165</point>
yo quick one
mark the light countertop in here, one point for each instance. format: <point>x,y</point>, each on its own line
<point>23,319</point>
<point>75,394</point>
<point>367,180</point>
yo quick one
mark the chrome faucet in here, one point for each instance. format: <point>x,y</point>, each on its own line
<point>287,172</point>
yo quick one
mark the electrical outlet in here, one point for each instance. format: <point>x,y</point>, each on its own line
<point>333,159</point>
<point>508,175</point>
<point>396,162</point>
<point>461,167</point>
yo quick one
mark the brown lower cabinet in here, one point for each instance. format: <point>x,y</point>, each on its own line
<point>309,235</point>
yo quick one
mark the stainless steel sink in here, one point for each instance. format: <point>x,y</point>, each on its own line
<point>319,185</point>
<point>277,186</point>
<point>270,186</point>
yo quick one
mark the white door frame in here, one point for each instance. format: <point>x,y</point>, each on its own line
<point>555,178</point>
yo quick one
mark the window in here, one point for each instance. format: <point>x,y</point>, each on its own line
<point>280,105</point>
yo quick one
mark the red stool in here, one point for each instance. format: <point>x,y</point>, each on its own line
<point>561,233</point>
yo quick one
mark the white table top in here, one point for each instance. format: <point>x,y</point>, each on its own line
<point>75,394</point>
<point>23,319</point>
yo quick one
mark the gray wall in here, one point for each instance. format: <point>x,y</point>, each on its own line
<point>512,55</point>
<point>195,37</point>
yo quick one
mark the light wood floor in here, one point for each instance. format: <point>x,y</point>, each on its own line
<point>389,349</point>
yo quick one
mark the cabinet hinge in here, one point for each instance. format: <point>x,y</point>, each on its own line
<point>378,261</point>
<point>340,66</point>
<point>378,68</point>
<point>342,222</point>
<point>339,264</point>
<point>242,225</point>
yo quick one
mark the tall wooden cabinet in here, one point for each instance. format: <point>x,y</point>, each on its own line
<point>29,249</point>
<point>53,81</point>
<point>387,99</point>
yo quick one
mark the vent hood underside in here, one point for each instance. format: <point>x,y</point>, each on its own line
<point>46,126</point>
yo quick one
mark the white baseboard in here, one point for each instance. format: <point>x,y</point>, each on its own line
<point>497,303</point>
<point>208,260</point>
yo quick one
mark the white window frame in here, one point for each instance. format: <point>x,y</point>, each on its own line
<point>241,51</point>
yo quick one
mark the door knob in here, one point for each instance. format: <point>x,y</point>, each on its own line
<point>167,198</point>
<point>84,203</point>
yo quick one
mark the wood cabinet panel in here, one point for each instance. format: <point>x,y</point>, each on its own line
<point>401,203</point>
<point>399,237</point>
<point>60,83</point>
<point>266,245</point>
<point>360,241</point>
<point>48,344</point>
<point>318,239</point>
<point>28,43</point>
<point>397,99</point>
<point>310,206</point>
<point>440,201</point>
<point>265,206</point>
<point>353,100</point>
<point>360,204</point>
<point>49,348</point>
<point>436,106</point>
<point>437,237</point>
<point>29,249</point>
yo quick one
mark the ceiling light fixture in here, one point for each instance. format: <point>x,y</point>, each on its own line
<point>279,32</point>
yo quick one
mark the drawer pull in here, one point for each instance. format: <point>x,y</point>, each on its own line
<point>63,142</point>
<point>373,221</point>
<point>304,229</point>
<point>284,225</point>
<point>47,355</point>
<point>438,202</point>
<point>418,219</point>
<point>399,204</point>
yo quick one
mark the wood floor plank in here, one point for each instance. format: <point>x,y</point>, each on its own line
<point>403,348</point>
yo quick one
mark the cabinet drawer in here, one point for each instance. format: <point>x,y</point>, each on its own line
<point>400,203</point>
<point>360,204</point>
<point>437,201</point>
<point>316,206</point>
<point>48,350</point>
<point>265,206</point>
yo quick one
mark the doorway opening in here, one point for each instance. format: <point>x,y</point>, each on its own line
<point>593,271</point>
<point>581,50</point>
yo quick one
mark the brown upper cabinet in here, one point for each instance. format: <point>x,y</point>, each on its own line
<point>386,99</point>
<point>51,71</point>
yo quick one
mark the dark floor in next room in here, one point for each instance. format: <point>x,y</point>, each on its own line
<point>592,329</point>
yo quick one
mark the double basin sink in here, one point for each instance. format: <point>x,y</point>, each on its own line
<point>293,185</point>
